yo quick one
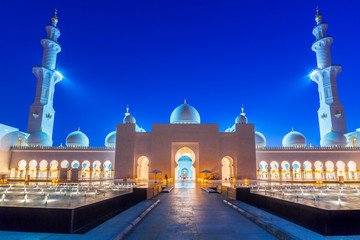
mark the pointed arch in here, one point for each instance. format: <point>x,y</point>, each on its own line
<point>143,168</point>
<point>227,169</point>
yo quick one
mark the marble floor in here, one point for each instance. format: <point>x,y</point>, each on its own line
<point>190,213</point>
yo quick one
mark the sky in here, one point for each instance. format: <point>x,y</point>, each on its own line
<point>151,55</point>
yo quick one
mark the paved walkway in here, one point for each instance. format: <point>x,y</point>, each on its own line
<point>190,213</point>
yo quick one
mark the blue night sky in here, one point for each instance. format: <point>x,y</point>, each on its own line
<point>153,54</point>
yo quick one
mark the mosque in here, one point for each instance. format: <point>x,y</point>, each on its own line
<point>185,147</point>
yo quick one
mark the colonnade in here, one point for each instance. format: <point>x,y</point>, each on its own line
<point>308,170</point>
<point>86,171</point>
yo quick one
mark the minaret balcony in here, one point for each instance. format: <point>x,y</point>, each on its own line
<point>49,43</point>
<point>322,43</point>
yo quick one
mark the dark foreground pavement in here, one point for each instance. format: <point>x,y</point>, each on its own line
<point>190,213</point>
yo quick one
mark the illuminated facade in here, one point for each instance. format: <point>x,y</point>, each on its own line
<point>184,147</point>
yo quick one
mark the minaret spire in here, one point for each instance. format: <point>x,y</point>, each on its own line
<point>331,112</point>
<point>54,19</point>
<point>127,110</point>
<point>42,113</point>
<point>242,110</point>
<point>318,16</point>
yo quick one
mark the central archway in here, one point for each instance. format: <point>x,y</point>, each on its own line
<point>185,158</point>
<point>143,168</point>
<point>227,169</point>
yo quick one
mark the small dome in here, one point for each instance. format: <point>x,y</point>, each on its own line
<point>228,129</point>
<point>39,138</point>
<point>140,129</point>
<point>128,118</point>
<point>241,119</point>
<point>15,138</point>
<point>333,139</point>
<point>185,159</point>
<point>294,139</point>
<point>185,114</point>
<point>260,140</point>
<point>110,140</point>
<point>77,139</point>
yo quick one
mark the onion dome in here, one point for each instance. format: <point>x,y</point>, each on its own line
<point>294,139</point>
<point>77,139</point>
<point>128,118</point>
<point>241,119</point>
<point>333,139</point>
<point>260,140</point>
<point>110,140</point>
<point>185,114</point>
<point>15,138</point>
<point>39,138</point>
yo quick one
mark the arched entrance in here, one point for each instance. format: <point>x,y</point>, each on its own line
<point>227,170</point>
<point>185,158</point>
<point>143,168</point>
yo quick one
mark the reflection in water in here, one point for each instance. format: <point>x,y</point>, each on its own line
<point>185,184</point>
<point>67,195</point>
<point>328,197</point>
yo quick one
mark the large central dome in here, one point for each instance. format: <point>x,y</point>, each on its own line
<point>185,114</point>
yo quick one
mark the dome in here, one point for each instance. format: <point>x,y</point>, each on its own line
<point>141,130</point>
<point>185,159</point>
<point>228,129</point>
<point>110,140</point>
<point>185,114</point>
<point>77,139</point>
<point>128,118</point>
<point>39,138</point>
<point>333,139</point>
<point>260,140</point>
<point>15,138</point>
<point>294,139</point>
<point>241,119</point>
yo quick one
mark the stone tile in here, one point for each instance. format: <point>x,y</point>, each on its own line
<point>195,214</point>
<point>178,236</point>
<point>217,236</point>
<point>143,236</point>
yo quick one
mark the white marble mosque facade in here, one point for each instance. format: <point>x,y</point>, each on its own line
<point>31,153</point>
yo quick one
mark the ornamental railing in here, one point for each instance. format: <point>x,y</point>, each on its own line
<point>334,148</point>
<point>62,148</point>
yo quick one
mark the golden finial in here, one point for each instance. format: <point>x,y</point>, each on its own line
<point>184,101</point>
<point>242,107</point>
<point>318,16</point>
<point>54,18</point>
<point>127,108</point>
<point>78,129</point>
<point>292,129</point>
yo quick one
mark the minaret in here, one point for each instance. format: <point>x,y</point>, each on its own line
<point>331,112</point>
<point>41,117</point>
